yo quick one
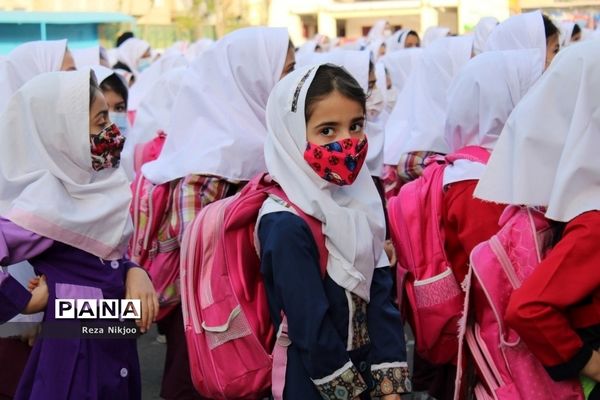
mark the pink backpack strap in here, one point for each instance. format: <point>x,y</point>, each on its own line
<point>419,217</point>
<point>282,343</point>
<point>471,153</point>
<point>314,225</point>
<point>280,360</point>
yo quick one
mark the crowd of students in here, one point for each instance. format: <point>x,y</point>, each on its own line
<point>342,128</point>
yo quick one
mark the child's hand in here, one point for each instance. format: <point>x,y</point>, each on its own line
<point>139,286</point>
<point>33,283</point>
<point>391,252</point>
<point>39,295</point>
<point>31,335</point>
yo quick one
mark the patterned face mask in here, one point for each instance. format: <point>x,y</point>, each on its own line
<point>337,162</point>
<point>106,148</point>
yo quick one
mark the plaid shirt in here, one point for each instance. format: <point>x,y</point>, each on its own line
<point>189,195</point>
<point>411,165</point>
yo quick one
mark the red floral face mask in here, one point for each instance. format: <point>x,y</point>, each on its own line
<point>106,148</point>
<point>337,162</point>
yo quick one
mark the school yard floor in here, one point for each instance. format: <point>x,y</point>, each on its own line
<point>152,358</point>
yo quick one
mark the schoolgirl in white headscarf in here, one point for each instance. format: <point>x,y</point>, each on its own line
<point>198,47</point>
<point>218,124</point>
<point>31,59</point>
<point>416,125</point>
<point>433,34</point>
<point>153,114</point>
<point>532,30</point>
<point>400,66</point>
<point>64,205</point>
<point>150,76</point>
<point>21,65</point>
<point>402,39</point>
<point>481,33</point>
<point>426,92</point>
<point>570,33</point>
<point>215,138</point>
<point>546,157</point>
<point>481,98</point>
<point>379,31</point>
<point>357,284</point>
<point>133,56</point>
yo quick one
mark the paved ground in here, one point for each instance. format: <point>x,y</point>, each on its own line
<point>152,358</point>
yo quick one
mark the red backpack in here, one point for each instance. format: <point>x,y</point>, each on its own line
<point>227,324</point>
<point>430,296</point>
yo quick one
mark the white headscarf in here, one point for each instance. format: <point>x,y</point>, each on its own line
<point>150,76</point>
<point>522,31</point>
<point>47,184</point>
<point>358,44</point>
<point>377,31</point>
<point>130,53</point>
<point>352,216</point>
<point>153,114</point>
<point>397,41</point>
<point>433,34</point>
<point>354,61</point>
<point>481,98</point>
<point>566,31</point>
<point>420,113</point>
<point>399,66</point>
<point>25,62</point>
<point>548,151</point>
<point>87,57</point>
<point>197,48</point>
<point>176,49</point>
<point>102,73</point>
<point>218,121</point>
<point>374,47</point>
<point>304,54</point>
<point>482,32</point>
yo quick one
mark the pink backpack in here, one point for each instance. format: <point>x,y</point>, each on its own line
<point>227,323</point>
<point>506,369</point>
<point>428,292</point>
<point>148,207</point>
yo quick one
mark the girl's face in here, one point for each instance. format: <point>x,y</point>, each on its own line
<point>115,101</point>
<point>290,62</point>
<point>412,40</point>
<point>68,63</point>
<point>335,117</point>
<point>552,48</point>
<point>98,114</point>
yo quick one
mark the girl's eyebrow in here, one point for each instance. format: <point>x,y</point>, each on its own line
<point>327,124</point>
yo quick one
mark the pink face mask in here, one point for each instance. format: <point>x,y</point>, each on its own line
<point>337,162</point>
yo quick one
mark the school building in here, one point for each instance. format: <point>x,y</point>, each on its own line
<point>162,22</point>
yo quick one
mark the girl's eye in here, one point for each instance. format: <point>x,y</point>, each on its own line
<point>358,127</point>
<point>326,131</point>
<point>120,109</point>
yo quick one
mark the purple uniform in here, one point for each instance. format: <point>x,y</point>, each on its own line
<point>74,368</point>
